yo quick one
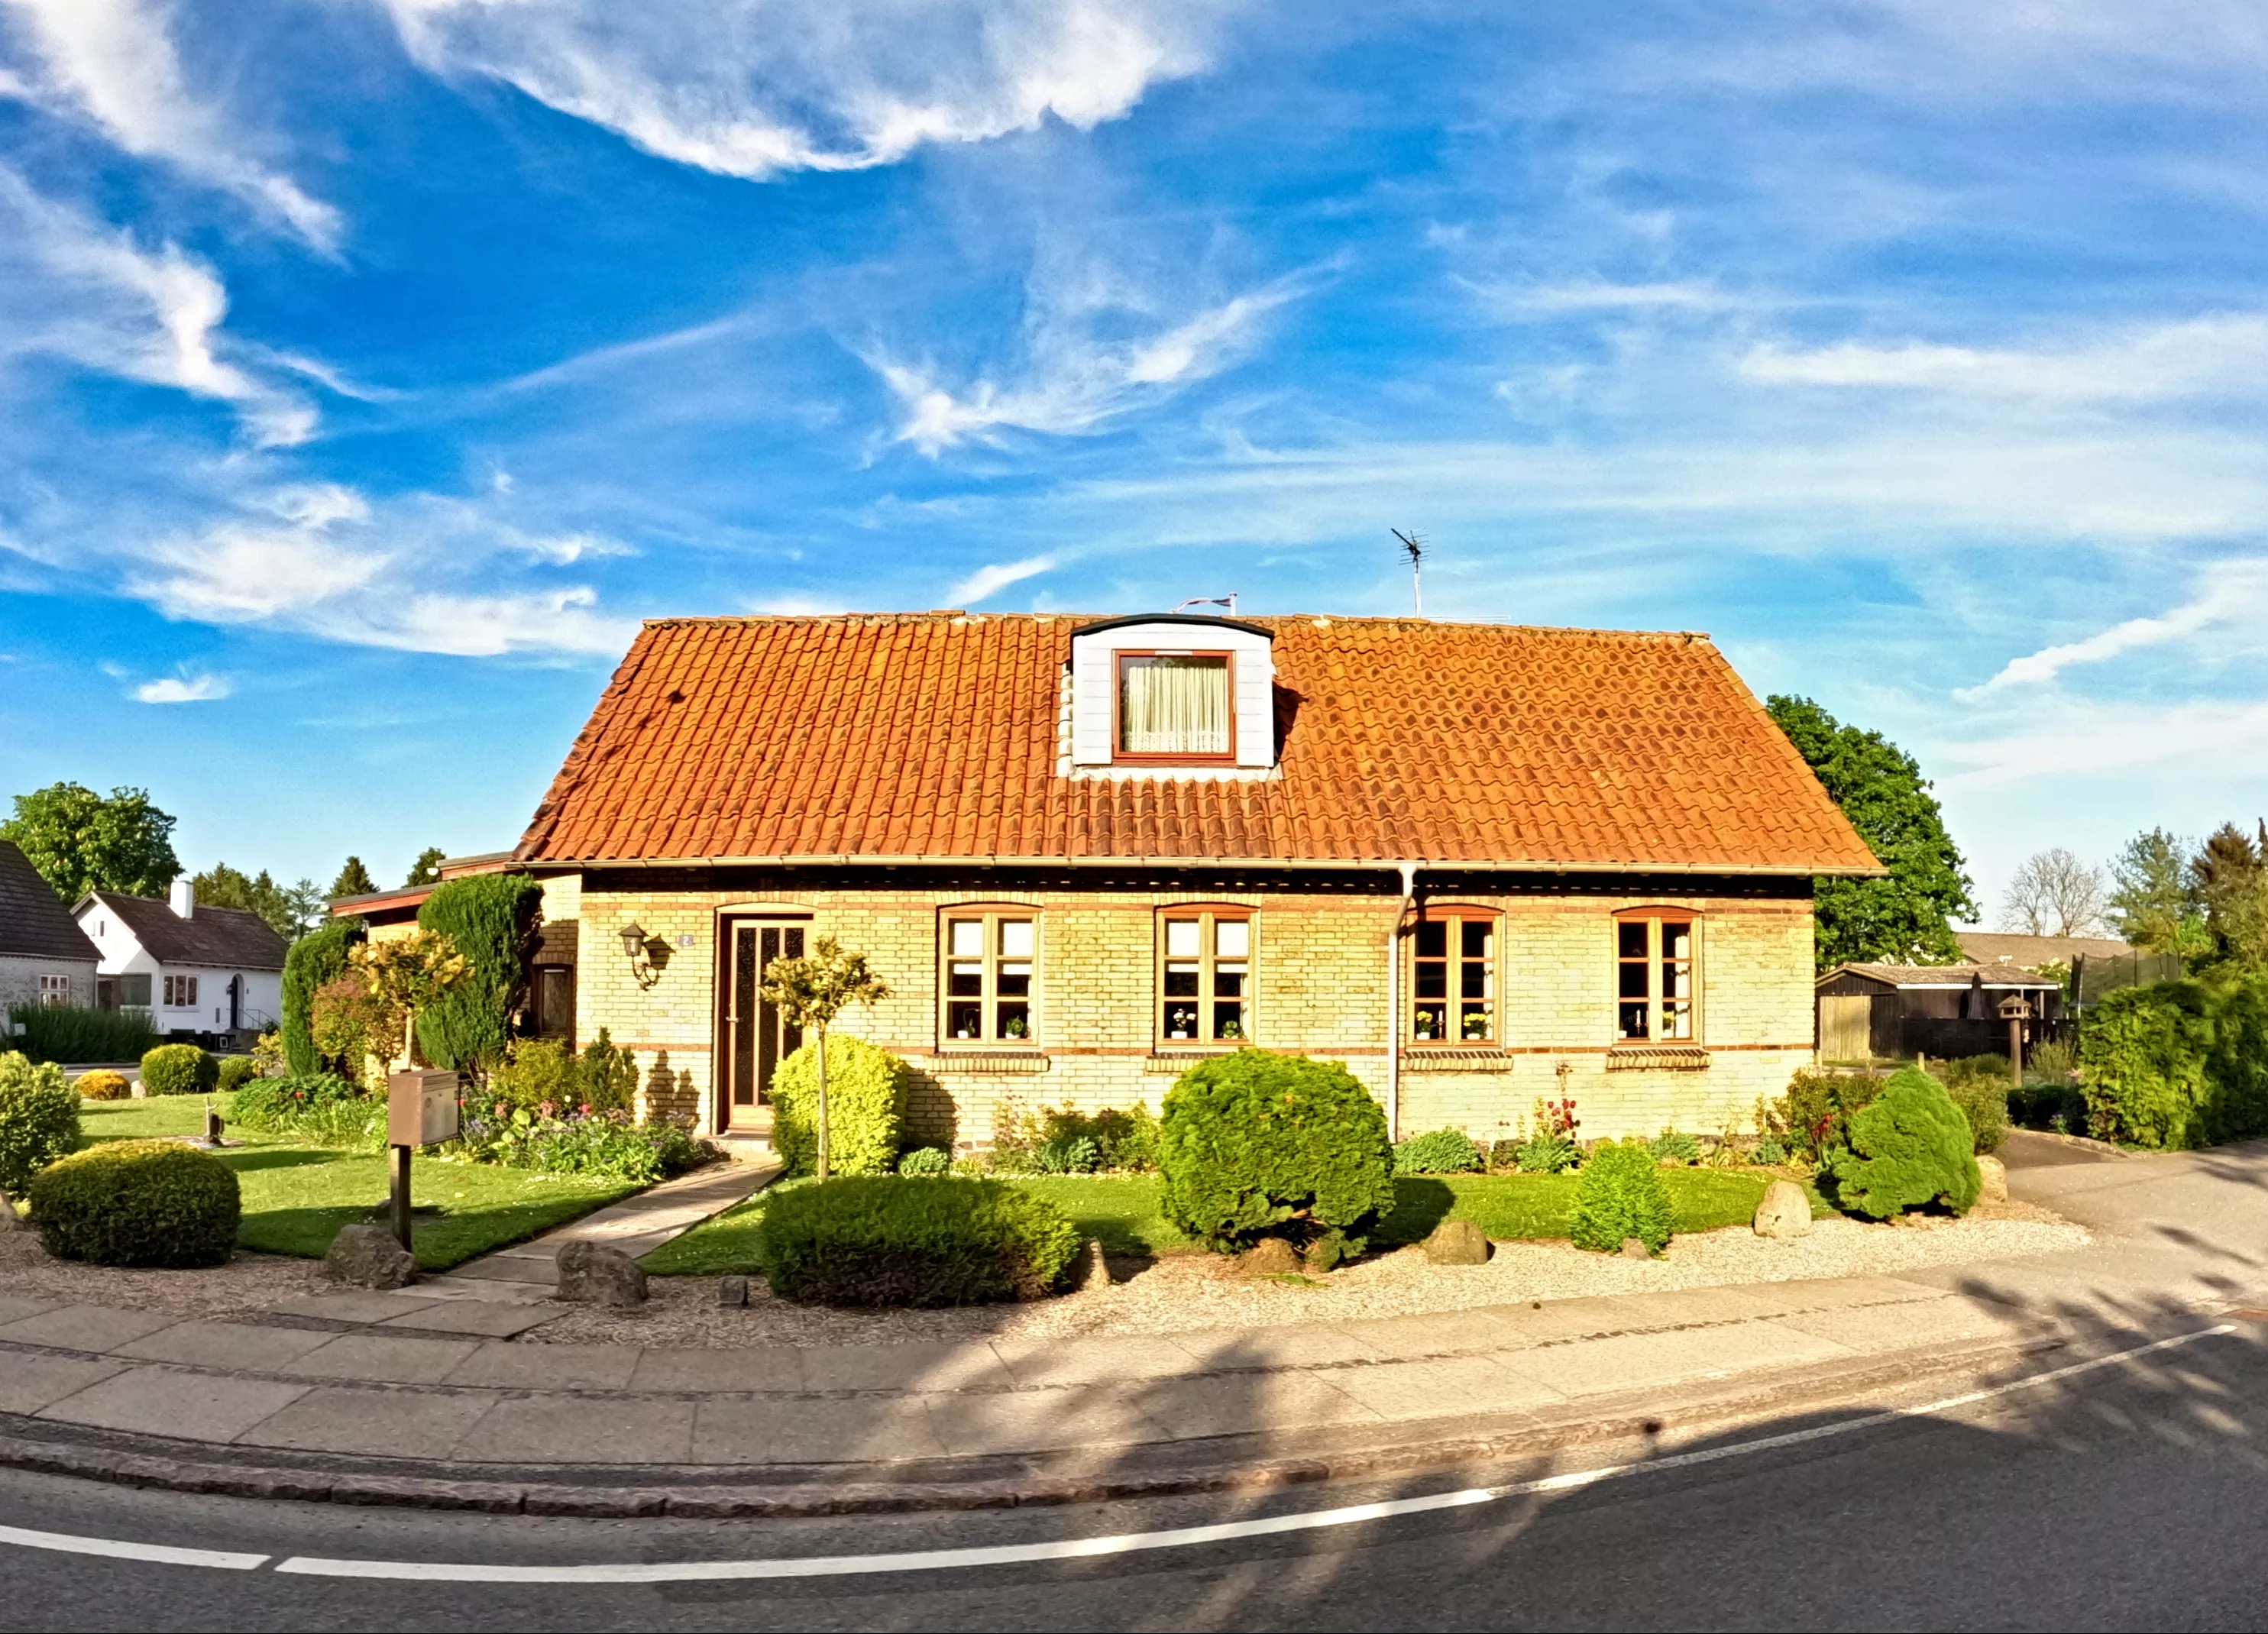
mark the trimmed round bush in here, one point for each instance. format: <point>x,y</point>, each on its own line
<point>39,1120</point>
<point>865,1105</point>
<point>103,1086</point>
<point>926,1160</point>
<point>1256,1145</point>
<point>1912,1147</point>
<point>1619,1194</point>
<point>236,1071</point>
<point>879,1240</point>
<point>179,1069</point>
<point>138,1202</point>
<point>1444,1151</point>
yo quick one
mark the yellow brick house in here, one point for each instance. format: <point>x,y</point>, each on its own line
<point>1478,863</point>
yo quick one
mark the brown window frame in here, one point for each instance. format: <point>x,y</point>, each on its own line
<point>1208,917</point>
<point>1452,1001</point>
<point>989,998</point>
<point>1121,756</point>
<point>1661,969</point>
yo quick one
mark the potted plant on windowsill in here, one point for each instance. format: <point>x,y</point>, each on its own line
<point>1017,1027</point>
<point>1477,1029</point>
<point>1232,1031</point>
<point>1424,1029</point>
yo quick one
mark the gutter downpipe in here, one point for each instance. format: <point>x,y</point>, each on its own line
<point>1393,1002</point>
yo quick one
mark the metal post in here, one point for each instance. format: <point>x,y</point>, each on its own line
<point>401,1194</point>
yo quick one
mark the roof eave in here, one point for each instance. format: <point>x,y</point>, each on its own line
<point>807,859</point>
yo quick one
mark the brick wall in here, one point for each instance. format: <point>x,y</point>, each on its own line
<point>1318,988</point>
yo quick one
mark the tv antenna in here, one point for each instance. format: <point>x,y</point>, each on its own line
<point>1415,544</point>
<point>1228,601</point>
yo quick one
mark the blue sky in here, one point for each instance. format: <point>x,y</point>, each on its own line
<point>368,368</point>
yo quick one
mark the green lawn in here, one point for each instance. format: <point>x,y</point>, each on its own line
<point>1121,1212</point>
<point>297,1197</point>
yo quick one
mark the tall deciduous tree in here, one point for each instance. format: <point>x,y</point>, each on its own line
<point>80,841</point>
<point>1909,915</point>
<point>2054,893</point>
<point>427,869</point>
<point>2153,904</point>
<point>811,992</point>
<point>2229,874</point>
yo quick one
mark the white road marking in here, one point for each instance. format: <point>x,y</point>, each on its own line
<point>216,1559</point>
<point>1068,1548</point>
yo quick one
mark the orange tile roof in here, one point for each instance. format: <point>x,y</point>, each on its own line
<point>904,737</point>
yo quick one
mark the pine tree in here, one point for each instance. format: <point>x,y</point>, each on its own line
<point>354,880</point>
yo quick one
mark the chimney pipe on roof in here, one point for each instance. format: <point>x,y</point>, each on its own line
<point>185,897</point>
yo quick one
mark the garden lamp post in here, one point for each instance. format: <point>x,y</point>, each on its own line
<point>2016,1011</point>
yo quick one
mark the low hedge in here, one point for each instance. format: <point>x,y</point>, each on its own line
<point>103,1085</point>
<point>39,1120</point>
<point>74,1032</point>
<point>881,1240</point>
<point>865,1108</point>
<point>1620,1195</point>
<point>179,1069</point>
<point>138,1202</point>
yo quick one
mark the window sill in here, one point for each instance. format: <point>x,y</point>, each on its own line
<point>1428,1057</point>
<point>1657,1059</point>
<point>991,1060</point>
<point>1179,1057</point>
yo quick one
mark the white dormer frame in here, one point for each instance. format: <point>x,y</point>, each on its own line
<point>1093,687</point>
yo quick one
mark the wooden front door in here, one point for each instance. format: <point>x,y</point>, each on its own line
<point>756,1038</point>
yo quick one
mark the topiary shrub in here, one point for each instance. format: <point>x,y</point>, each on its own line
<point>179,1069</point>
<point>1980,1086</point>
<point>1618,1195</point>
<point>1256,1145</point>
<point>39,1120</point>
<point>1444,1151</point>
<point>877,1239</point>
<point>236,1071</point>
<point>315,959</point>
<point>926,1160</point>
<point>492,919</point>
<point>1909,1148</point>
<point>865,1107</point>
<point>138,1202</point>
<point>104,1085</point>
<point>1676,1147</point>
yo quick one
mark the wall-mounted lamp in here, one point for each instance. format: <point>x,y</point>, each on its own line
<point>635,948</point>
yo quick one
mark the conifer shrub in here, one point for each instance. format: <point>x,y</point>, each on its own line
<point>179,1069</point>
<point>491,919</point>
<point>879,1240</point>
<point>39,1120</point>
<point>1444,1151</point>
<point>1255,1144</point>
<point>1619,1193</point>
<point>236,1071</point>
<point>103,1085</point>
<point>1909,1148</point>
<point>865,1108</point>
<point>315,959</point>
<point>138,1202</point>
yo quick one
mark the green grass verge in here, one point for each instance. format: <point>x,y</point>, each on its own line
<point>297,1197</point>
<point>1121,1212</point>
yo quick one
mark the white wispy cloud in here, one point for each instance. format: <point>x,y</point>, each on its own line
<point>73,287</point>
<point>990,581</point>
<point>1071,380</point>
<point>183,690</point>
<point>753,88</point>
<point>2235,592</point>
<point>1543,300</point>
<point>113,62</point>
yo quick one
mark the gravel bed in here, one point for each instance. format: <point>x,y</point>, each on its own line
<point>248,1285</point>
<point>1179,1292</point>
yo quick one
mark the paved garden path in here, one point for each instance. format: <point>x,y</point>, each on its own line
<point>527,1272</point>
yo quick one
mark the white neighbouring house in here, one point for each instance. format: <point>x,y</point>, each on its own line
<point>212,973</point>
<point>44,959</point>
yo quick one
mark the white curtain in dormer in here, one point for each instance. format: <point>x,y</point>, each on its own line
<point>1175,706</point>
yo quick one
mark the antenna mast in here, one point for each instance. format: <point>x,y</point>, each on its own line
<point>1415,544</point>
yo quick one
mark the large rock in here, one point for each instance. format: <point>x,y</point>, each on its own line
<point>1635,1248</point>
<point>591,1273</point>
<point>1270,1257</point>
<point>367,1256</point>
<point>1785,1211</point>
<point>1996,1179</point>
<point>10,1220</point>
<point>1457,1242</point>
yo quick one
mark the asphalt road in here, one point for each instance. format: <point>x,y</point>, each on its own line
<point>2130,1496</point>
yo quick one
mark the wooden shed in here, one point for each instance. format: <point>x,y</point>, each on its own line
<point>1888,1012</point>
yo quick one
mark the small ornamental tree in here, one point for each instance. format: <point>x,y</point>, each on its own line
<point>811,992</point>
<point>1912,1146</point>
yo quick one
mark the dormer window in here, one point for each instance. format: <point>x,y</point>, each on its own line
<point>1177,705</point>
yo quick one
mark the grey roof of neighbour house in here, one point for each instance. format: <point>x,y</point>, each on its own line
<point>229,937</point>
<point>1943,975</point>
<point>34,922</point>
<point>2029,953</point>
